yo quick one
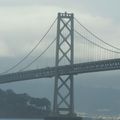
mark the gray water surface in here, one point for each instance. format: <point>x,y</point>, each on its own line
<point>18,119</point>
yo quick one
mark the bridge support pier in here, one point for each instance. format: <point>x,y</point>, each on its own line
<point>63,89</point>
<point>64,118</point>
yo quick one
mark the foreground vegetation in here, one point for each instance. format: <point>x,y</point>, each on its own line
<point>14,105</point>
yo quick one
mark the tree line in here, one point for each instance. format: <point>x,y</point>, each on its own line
<point>14,105</point>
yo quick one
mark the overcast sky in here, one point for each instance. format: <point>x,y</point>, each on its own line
<point>24,22</point>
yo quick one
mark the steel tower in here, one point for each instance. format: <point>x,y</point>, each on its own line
<point>63,89</point>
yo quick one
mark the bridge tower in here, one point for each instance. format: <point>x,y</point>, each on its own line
<point>63,89</point>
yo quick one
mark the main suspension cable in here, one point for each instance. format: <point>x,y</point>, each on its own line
<point>11,68</point>
<point>96,35</point>
<point>38,56</point>
<point>96,43</point>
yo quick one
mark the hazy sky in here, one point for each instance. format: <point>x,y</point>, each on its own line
<point>24,22</point>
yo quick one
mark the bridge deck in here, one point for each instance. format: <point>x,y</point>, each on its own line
<point>103,65</point>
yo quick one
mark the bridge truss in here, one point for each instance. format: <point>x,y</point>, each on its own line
<point>80,68</point>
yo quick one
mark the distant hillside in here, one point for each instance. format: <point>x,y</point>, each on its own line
<point>98,100</point>
<point>14,105</point>
<point>87,99</point>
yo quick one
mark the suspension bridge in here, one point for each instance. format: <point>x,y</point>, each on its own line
<point>78,51</point>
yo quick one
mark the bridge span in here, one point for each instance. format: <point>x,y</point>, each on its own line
<point>80,68</point>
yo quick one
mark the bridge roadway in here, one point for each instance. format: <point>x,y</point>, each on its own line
<point>103,65</point>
